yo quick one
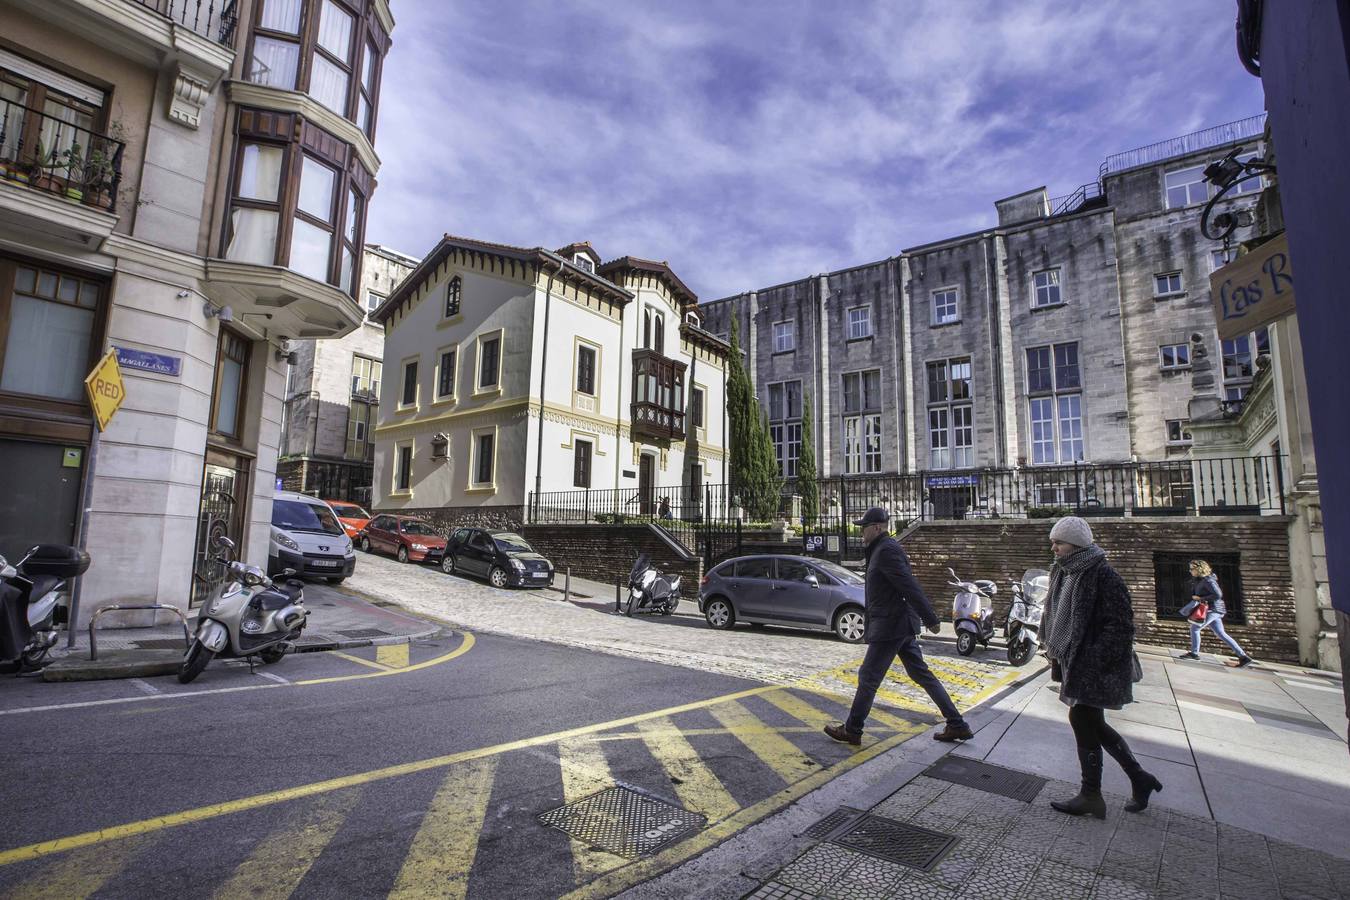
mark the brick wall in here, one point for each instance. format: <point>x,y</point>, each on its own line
<point>446,519</point>
<point>1003,549</point>
<point>606,553</point>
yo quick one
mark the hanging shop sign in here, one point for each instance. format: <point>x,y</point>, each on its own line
<point>1254,290</point>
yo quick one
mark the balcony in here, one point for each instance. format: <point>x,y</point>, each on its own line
<point>214,19</point>
<point>657,410</point>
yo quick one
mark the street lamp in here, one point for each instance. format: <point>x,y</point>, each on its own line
<point>1224,175</point>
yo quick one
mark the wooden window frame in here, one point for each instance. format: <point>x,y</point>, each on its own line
<point>440,396</point>
<point>577,462</point>
<point>236,439</point>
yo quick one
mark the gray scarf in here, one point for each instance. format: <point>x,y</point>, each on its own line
<point>1069,585</point>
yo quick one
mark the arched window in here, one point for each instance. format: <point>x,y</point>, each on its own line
<point>452,296</point>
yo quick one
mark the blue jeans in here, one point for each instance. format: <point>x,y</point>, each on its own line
<point>1214,622</point>
<point>877,663</point>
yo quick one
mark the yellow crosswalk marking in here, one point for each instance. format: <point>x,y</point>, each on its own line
<point>282,858</point>
<point>395,656</point>
<point>777,752</point>
<point>441,856</point>
<point>79,875</point>
<point>800,709</point>
<point>697,786</point>
<point>880,716</point>
<point>585,771</point>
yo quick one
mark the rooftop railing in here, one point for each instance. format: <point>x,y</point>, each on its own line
<point>214,19</point>
<point>1231,132</point>
<point>50,154</point>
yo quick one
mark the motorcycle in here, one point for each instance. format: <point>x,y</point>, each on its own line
<point>1024,618</point>
<point>649,591</point>
<point>972,613</point>
<point>30,593</point>
<point>247,615</point>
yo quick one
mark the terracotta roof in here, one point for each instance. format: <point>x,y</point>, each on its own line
<point>661,269</point>
<point>579,247</point>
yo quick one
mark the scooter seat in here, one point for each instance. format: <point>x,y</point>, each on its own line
<point>268,601</point>
<point>293,588</point>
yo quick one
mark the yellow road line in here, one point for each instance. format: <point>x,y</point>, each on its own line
<point>776,751</point>
<point>458,651</point>
<point>881,717</point>
<point>356,659</point>
<point>282,859</point>
<point>585,771</point>
<point>705,732</point>
<point>801,710</point>
<point>80,875</point>
<point>697,786</point>
<point>203,813</point>
<point>395,656</point>
<point>441,856</point>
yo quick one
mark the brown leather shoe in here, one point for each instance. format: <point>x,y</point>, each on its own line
<point>954,733</point>
<point>843,735</point>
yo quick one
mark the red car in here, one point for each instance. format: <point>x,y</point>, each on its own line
<point>352,517</point>
<point>408,538</point>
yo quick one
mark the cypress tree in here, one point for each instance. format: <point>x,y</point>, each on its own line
<point>740,430</point>
<point>807,488</point>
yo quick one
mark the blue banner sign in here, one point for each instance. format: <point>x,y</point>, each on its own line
<point>952,480</point>
<point>158,363</point>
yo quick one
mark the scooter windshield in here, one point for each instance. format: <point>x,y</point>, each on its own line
<point>643,563</point>
<point>1035,585</point>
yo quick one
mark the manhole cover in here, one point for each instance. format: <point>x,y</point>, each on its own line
<point>162,644</point>
<point>834,820</point>
<point>364,633</point>
<point>984,777</point>
<point>896,842</point>
<point>623,822</point>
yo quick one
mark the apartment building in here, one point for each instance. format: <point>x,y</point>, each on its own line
<point>185,184</point>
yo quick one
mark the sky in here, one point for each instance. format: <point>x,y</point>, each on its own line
<point>755,142</point>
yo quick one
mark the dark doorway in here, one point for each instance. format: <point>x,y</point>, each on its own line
<point>646,485</point>
<point>224,489</point>
<point>39,495</point>
<point>951,502</point>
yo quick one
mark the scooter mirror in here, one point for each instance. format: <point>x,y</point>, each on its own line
<point>223,542</point>
<point>288,573</point>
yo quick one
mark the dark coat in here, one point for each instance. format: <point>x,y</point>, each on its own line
<point>895,602</point>
<point>1208,590</point>
<point>1100,668</point>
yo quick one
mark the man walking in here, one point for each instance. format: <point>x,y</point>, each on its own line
<point>895,604</point>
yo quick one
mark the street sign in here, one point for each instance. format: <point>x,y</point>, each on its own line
<point>158,363</point>
<point>1255,289</point>
<point>105,389</point>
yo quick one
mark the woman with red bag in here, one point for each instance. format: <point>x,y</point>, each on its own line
<point>1206,610</point>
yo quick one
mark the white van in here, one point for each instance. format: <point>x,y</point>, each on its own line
<point>307,537</point>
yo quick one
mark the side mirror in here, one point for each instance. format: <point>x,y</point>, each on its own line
<point>813,581</point>
<point>223,542</point>
<point>288,573</point>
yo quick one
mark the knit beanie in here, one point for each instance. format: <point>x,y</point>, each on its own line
<point>1072,530</point>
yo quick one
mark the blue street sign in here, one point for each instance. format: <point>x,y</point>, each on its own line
<point>158,363</point>
<point>952,480</point>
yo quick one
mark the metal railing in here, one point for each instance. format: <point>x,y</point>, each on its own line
<point>213,19</point>
<point>1230,132</point>
<point>1090,191</point>
<point>50,154</point>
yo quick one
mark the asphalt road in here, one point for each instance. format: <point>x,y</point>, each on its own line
<point>398,771</point>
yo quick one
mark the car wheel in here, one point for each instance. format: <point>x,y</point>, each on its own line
<point>498,577</point>
<point>402,554</point>
<point>850,624</point>
<point>365,545</point>
<point>448,563</point>
<point>965,642</point>
<point>719,613</point>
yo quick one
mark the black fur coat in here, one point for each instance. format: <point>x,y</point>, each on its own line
<point>1099,670</point>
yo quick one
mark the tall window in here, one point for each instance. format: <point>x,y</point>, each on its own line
<point>785,425</point>
<point>484,443</point>
<point>231,378</point>
<point>409,395</point>
<point>445,375</point>
<point>315,213</point>
<point>784,336</point>
<point>653,330</point>
<point>859,322</point>
<point>696,402</point>
<point>47,340</point>
<point>944,306</point>
<point>403,468</point>
<point>1239,356</point>
<point>585,370</point>
<point>581,463</point>
<point>489,362</point>
<point>1054,390</point>
<point>951,434</point>
<point>862,422</point>
<point>452,297</point>
<point>1047,290</point>
<point>1186,187</point>
<point>366,378</point>
<point>254,217</point>
<point>359,444</point>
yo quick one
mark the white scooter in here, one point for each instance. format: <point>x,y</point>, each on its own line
<point>649,591</point>
<point>31,591</point>
<point>972,612</point>
<point>1024,618</point>
<point>247,615</point>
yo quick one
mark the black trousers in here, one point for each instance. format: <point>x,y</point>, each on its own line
<point>1093,735</point>
<point>877,663</point>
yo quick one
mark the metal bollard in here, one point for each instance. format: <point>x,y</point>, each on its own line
<point>567,584</point>
<point>618,586</point>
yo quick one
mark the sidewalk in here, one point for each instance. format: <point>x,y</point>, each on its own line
<point>1256,804</point>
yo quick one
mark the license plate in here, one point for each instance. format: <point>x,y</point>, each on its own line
<point>538,574</point>
<point>325,563</point>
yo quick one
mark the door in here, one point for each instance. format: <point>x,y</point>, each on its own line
<point>39,495</point>
<point>646,484</point>
<point>481,551</point>
<point>224,487</point>
<point>752,587</point>
<point>795,599</point>
<point>379,534</point>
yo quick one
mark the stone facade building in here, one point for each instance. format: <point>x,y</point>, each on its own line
<point>185,184</point>
<point>333,394</point>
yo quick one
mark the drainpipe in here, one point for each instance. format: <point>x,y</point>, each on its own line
<point>543,380</point>
<point>618,408</point>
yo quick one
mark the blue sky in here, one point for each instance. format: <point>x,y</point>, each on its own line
<point>752,142</point>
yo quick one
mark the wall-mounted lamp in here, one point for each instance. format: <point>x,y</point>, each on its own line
<point>1224,175</point>
<point>287,357</point>
<point>184,294</point>
<point>224,313</point>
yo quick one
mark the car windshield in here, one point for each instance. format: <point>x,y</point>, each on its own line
<point>512,543</point>
<point>347,511</point>
<point>838,572</point>
<point>416,528</point>
<point>293,515</point>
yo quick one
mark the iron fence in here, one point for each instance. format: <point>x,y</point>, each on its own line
<point>211,19</point>
<point>50,154</point>
<point>1230,132</point>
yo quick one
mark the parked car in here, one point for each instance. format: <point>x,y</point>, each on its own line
<point>352,517</point>
<point>307,537</point>
<point>408,538</point>
<point>794,591</point>
<point>502,557</point>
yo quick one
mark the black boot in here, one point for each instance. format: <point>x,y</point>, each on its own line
<point>1141,783</point>
<point>1089,801</point>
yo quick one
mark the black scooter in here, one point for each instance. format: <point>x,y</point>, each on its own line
<point>649,591</point>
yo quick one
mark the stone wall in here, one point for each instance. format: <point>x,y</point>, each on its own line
<point>1003,549</point>
<point>446,519</point>
<point>606,553</point>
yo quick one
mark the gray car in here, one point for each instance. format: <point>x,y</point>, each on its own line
<point>794,591</point>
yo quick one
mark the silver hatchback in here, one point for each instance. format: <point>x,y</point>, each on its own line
<point>793,591</point>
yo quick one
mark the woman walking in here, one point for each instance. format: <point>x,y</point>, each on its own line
<point>1088,633</point>
<point>1205,589</point>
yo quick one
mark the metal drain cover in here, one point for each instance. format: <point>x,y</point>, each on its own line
<point>364,633</point>
<point>841,816</point>
<point>984,777</point>
<point>896,842</point>
<point>623,822</point>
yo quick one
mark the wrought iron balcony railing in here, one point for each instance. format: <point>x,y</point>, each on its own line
<point>50,154</point>
<point>213,19</point>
